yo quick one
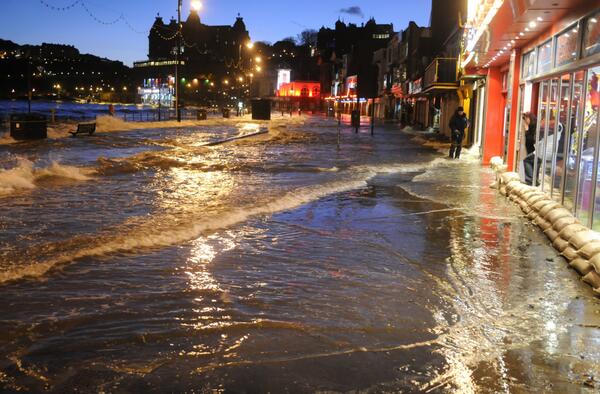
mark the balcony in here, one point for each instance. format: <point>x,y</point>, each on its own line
<point>441,74</point>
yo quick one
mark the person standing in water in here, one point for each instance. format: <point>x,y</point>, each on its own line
<point>458,125</point>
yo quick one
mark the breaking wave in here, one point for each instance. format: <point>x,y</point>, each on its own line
<point>164,231</point>
<point>25,175</point>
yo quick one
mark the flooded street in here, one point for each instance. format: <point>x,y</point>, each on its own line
<point>136,260</point>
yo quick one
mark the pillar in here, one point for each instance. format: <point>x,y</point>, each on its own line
<point>494,110</point>
<point>515,64</point>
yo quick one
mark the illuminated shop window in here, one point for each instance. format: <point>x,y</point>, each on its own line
<point>590,136</point>
<point>566,46</point>
<point>574,138</point>
<point>563,137</point>
<point>544,61</point>
<point>528,64</point>
<point>591,36</point>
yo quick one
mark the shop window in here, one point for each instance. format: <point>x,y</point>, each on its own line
<point>591,36</point>
<point>304,92</point>
<point>566,46</point>
<point>590,133</point>
<point>528,64</point>
<point>561,136</point>
<point>592,105</point>
<point>575,131</point>
<point>541,132</point>
<point>544,61</point>
<point>551,139</point>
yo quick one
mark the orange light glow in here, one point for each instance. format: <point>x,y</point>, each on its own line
<point>300,89</point>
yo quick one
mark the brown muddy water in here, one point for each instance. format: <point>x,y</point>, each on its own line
<point>143,261</point>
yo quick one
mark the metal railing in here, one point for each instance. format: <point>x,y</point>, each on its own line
<point>442,71</point>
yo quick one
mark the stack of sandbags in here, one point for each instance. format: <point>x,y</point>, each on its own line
<point>577,243</point>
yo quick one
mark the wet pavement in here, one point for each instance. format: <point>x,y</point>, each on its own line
<point>281,265</point>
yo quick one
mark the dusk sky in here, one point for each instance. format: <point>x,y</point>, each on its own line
<point>32,22</point>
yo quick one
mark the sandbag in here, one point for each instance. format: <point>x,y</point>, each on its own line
<point>589,250</point>
<point>556,214</point>
<point>548,207</point>
<point>540,204</point>
<point>595,262</point>
<point>560,244</point>
<point>535,198</point>
<point>542,223</point>
<point>570,230</point>
<point>503,190</point>
<point>582,238</point>
<point>510,186</point>
<point>518,188</point>
<point>529,193</point>
<point>525,207</point>
<point>507,177</point>
<point>592,279</point>
<point>561,223</point>
<point>582,266</point>
<point>551,234</point>
<point>532,214</point>
<point>570,253</point>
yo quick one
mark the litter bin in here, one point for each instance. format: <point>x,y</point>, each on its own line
<point>261,109</point>
<point>28,126</point>
<point>201,114</point>
<point>355,118</point>
<point>226,112</point>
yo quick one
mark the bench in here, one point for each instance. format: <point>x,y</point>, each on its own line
<point>84,128</point>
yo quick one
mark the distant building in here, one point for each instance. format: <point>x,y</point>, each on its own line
<point>215,60</point>
<point>345,53</point>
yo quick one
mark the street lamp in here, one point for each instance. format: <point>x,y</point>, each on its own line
<point>196,5</point>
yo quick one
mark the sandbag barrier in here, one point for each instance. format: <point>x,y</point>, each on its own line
<point>578,244</point>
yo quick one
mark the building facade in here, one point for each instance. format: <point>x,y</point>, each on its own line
<point>539,58</point>
<point>216,63</point>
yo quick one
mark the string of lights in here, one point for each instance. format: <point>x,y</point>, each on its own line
<point>82,3</point>
<point>165,37</point>
<point>133,29</point>
<point>94,17</point>
<point>65,8</point>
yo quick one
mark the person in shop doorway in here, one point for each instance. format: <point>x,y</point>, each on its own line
<point>111,110</point>
<point>529,125</point>
<point>458,125</point>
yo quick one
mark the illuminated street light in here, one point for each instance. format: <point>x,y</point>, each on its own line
<point>196,5</point>
<point>250,45</point>
<point>258,59</point>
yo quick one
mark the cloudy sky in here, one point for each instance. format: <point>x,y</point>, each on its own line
<point>87,23</point>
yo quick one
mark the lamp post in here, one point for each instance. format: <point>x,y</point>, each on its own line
<point>177,109</point>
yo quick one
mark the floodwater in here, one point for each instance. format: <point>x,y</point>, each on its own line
<point>146,261</point>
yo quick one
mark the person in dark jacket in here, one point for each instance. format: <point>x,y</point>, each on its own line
<point>458,125</point>
<point>530,125</point>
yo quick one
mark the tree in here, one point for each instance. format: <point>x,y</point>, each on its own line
<point>289,39</point>
<point>308,37</point>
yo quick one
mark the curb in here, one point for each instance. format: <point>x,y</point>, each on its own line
<point>578,244</point>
